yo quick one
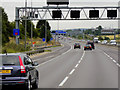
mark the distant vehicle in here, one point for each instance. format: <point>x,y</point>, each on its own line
<point>92,44</point>
<point>87,47</point>
<point>104,42</point>
<point>113,42</point>
<point>18,70</point>
<point>99,41</point>
<point>95,40</point>
<point>77,45</point>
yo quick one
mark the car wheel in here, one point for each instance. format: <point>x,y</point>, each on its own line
<point>28,86</point>
<point>36,84</point>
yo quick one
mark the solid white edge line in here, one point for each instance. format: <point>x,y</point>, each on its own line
<point>72,71</point>
<point>54,58</point>
<point>62,83</point>
<point>67,51</point>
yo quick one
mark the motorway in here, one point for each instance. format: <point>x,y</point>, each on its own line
<point>66,67</point>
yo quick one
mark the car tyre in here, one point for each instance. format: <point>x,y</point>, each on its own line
<point>28,86</point>
<point>36,84</point>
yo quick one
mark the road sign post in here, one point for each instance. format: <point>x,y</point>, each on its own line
<point>16,32</point>
<point>17,25</point>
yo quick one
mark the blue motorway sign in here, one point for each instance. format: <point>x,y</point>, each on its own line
<point>51,39</point>
<point>43,39</point>
<point>16,32</point>
<point>60,32</point>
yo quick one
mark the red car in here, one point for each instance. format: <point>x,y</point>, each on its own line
<point>87,47</point>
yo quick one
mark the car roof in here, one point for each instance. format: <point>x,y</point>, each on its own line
<point>13,54</point>
<point>88,44</point>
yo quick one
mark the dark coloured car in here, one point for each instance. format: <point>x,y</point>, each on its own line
<point>18,70</point>
<point>87,47</point>
<point>77,45</point>
<point>92,44</point>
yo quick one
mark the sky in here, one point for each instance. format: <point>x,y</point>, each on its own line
<point>9,6</point>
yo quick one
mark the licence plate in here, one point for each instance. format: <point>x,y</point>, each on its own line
<point>5,71</point>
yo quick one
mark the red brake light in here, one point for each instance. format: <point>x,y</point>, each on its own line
<point>84,46</point>
<point>90,46</point>
<point>20,82</point>
<point>22,66</point>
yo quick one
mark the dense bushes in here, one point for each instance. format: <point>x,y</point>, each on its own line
<point>100,38</point>
<point>12,47</point>
<point>107,38</point>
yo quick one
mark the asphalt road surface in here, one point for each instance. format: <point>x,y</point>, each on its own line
<point>66,67</point>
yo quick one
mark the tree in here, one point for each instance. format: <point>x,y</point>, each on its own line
<point>5,27</point>
<point>43,26</point>
<point>100,38</point>
<point>98,31</point>
<point>28,27</point>
<point>107,38</point>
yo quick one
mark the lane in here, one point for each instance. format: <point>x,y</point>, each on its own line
<point>50,55</point>
<point>72,69</point>
<point>110,50</point>
<point>52,73</point>
<point>95,71</point>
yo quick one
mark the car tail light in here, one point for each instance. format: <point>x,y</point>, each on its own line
<point>84,46</point>
<point>90,46</point>
<point>22,66</point>
<point>20,82</point>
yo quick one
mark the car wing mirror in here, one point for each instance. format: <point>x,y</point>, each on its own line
<point>35,64</point>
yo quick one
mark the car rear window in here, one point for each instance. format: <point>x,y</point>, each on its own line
<point>76,43</point>
<point>88,45</point>
<point>9,61</point>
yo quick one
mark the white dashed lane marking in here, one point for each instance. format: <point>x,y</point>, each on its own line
<point>67,77</point>
<point>112,59</point>
<point>72,71</point>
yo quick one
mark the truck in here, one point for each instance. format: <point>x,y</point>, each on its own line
<point>95,40</point>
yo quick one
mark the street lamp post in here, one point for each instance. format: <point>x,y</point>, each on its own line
<point>25,23</point>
